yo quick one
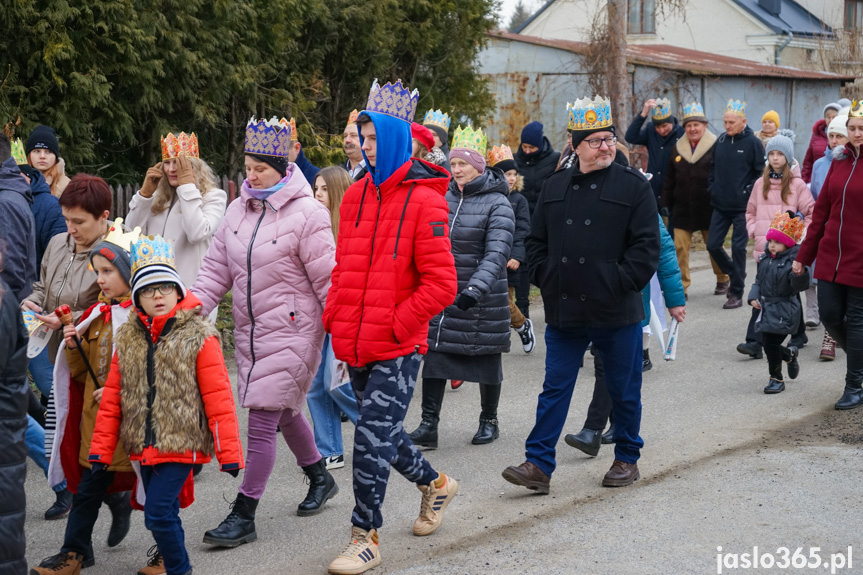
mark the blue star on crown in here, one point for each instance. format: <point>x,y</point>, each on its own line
<point>736,107</point>
<point>393,100</point>
<point>586,114</point>
<point>268,137</point>
<point>150,250</point>
<point>693,110</point>
<point>437,118</point>
<point>662,110</point>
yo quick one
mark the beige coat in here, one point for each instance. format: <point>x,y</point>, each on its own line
<point>189,224</point>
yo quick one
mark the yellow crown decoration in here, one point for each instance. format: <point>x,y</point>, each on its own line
<point>470,139</point>
<point>587,114</point>
<point>294,136</point>
<point>693,110</point>
<point>437,118</point>
<point>18,152</point>
<point>788,226</point>
<point>181,145</point>
<point>151,250</point>
<point>122,239</point>
<point>662,110</point>
<point>736,107</point>
<point>501,154</point>
<point>352,119</point>
<point>856,109</point>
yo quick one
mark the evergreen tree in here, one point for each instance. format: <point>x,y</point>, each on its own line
<point>519,16</point>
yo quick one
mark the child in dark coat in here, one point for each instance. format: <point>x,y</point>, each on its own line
<point>776,293</point>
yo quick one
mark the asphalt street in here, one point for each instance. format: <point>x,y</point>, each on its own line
<point>723,466</point>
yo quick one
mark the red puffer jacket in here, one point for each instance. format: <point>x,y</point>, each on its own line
<point>394,267</point>
<point>816,148</point>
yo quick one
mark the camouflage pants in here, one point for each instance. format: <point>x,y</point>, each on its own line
<point>383,390</point>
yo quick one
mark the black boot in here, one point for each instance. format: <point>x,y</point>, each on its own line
<point>488,431</point>
<point>586,440</point>
<point>121,510</point>
<point>61,506</point>
<point>775,386</point>
<point>238,527</point>
<point>851,398</point>
<point>646,364</point>
<point>489,397</point>
<point>322,488</point>
<point>426,434</point>
<point>608,436</point>
<point>752,349</point>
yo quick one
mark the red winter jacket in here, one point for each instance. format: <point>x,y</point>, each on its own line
<point>816,148</point>
<point>835,235</point>
<point>394,267</point>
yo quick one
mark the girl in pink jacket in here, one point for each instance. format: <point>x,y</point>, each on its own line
<point>275,250</point>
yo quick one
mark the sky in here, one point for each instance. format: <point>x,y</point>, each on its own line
<point>507,7</point>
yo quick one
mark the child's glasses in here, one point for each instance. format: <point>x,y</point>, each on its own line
<point>150,291</point>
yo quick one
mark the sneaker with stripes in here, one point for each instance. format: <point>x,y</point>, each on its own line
<point>361,554</point>
<point>434,502</point>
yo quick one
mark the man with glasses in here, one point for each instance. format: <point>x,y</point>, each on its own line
<point>593,246</point>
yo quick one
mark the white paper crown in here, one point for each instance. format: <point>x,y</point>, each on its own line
<point>586,114</point>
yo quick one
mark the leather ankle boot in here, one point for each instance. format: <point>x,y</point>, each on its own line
<point>238,527</point>
<point>322,488</point>
<point>586,440</point>
<point>488,431</point>
<point>851,398</point>
<point>608,436</point>
<point>432,397</point>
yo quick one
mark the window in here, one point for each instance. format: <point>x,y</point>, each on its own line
<point>854,15</point>
<point>642,16</point>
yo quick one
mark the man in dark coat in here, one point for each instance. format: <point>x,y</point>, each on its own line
<point>17,227</point>
<point>685,199</point>
<point>593,246</point>
<point>46,210</point>
<point>536,159</point>
<point>738,160</point>
<point>658,134</point>
<point>14,391</point>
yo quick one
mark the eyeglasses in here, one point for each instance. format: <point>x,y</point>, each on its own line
<point>164,289</point>
<point>596,143</point>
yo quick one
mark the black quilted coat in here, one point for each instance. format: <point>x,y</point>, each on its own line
<point>481,231</point>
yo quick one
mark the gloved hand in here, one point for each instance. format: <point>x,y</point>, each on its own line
<point>232,472</point>
<point>97,468</point>
<point>665,213</point>
<point>465,300</point>
<point>151,180</point>
<point>185,171</point>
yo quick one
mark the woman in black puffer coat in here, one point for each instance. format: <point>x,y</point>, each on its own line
<point>467,339</point>
<point>13,427</point>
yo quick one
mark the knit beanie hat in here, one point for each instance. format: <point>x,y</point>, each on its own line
<point>783,143</point>
<point>843,103</point>
<point>117,256</point>
<point>43,137</point>
<point>422,135</point>
<point>786,228</point>
<point>838,126</point>
<point>278,163</point>
<point>773,116</point>
<point>472,157</point>
<point>532,134</point>
<point>153,264</point>
<point>579,136</point>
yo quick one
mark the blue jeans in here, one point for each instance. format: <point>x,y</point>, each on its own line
<point>325,406</point>
<point>162,484</point>
<point>622,358</point>
<point>36,449</point>
<point>42,371</point>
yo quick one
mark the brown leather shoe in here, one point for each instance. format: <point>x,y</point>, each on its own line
<point>621,474</point>
<point>722,288</point>
<point>733,302</point>
<point>527,475</point>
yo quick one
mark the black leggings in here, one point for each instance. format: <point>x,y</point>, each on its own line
<point>776,353</point>
<point>599,412</point>
<point>841,310</point>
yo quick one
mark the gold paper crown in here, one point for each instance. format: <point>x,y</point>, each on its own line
<point>736,107</point>
<point>18,152</point>
<point>437,118</point>
<point>662,110</point>
<point>122,240</point>
<point>856,110</point>
<point>294,136</point>
<point>151,250</point>
<point>586,114</point>
<point>470,139</point>
<point>788,226</point>
<point>352,119</point>
<point>498,155</point>
<point>184,144</point>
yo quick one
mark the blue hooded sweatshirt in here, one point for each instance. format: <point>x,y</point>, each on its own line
<point>394,145</point>
<point>46,212</point>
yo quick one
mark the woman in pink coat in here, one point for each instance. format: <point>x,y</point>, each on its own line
<point>780,190</point>
<point>275,250</point>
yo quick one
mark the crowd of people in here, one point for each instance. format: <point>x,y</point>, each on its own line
<point>419,252</point>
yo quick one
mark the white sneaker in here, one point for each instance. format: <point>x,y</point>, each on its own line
<point>528,339</point>
<point>361,554</point>
<point>334,461</point>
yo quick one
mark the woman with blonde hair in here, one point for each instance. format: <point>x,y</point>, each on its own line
<point>179,201</point>
<point>43,153</point>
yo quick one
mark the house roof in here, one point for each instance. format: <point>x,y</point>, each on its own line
<point>792,18</point>
<point>683,59</point>
<point>534,16</point>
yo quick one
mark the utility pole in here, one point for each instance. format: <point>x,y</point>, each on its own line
<point>620,88</point>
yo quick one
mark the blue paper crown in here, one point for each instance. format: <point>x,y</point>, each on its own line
<point>586,114</point>
<point>393,100</point>
<point>736,107</point>
<point>268,137</point>
<point>693,109</point>
<point>151,250</point>
<point>437,118</point>
<point>662,110</point>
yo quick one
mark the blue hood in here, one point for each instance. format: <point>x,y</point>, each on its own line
<point>394,145</point>
<point>10,179</point>
<point>38,185</point>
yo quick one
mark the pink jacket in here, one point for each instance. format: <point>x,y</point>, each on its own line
<point>277,256</point>
<point>760,212</point>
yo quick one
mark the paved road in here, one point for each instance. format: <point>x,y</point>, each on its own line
<point>723,466</point>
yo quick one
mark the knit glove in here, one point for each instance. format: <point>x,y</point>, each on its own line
<point>97,469</point>
<point>466,299</point>
<point>151,180</point>
<point>185,171</point>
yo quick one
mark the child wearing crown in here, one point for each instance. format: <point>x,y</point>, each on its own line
<point>775,294</point>
<point>77,405</point>
<point>169,412</point>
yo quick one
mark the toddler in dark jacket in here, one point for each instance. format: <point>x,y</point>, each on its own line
<point>776,293</point>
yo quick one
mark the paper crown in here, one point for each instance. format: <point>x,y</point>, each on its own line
<point>662,110</point>
<point>437,118</point>
<point>352,119</point>
<point>122,239</point>
<point>470,139</point>
<point>736,107</point>
<point>151,250</point>
<point>856,110</point>
<point>498,155</point>
<point>586,114</point>
<point>294,136</point>
<point>18,153</point>
<point>693,110</point>
<point>184,144</point>
<point>789,227</point>
<point>268,137</point>
<point>393,100</point>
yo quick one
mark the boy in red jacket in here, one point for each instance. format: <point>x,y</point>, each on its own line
<point>394,272</point>
<point>172,413</point>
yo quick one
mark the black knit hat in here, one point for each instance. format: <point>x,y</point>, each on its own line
<point>278,163</point>
<point>42,137</point>
<point>579,135</point>
<point>506,165</point>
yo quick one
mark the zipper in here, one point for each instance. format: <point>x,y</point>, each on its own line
<point>451,228</point>
<point>149,434</point>
<point>842,216</point>
<point>218,441</point>
<point>371,257</point>
<point>249,295</point>
<point>65,279</point>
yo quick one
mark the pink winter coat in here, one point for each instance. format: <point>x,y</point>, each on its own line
<point>760,212</point>
<point>277,256</point>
